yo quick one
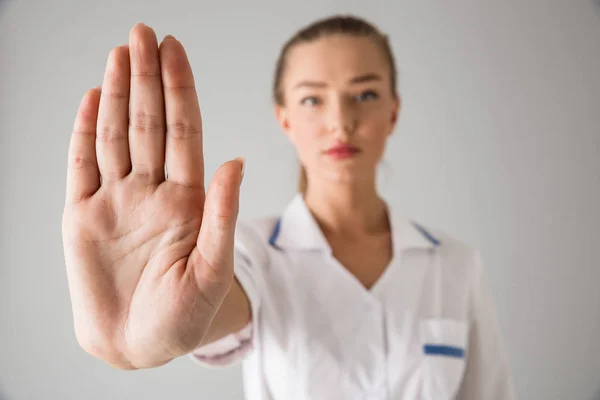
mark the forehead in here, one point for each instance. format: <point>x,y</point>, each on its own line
<point>335,58</point>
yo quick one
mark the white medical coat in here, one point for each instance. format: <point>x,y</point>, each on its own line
<point>427,329</point>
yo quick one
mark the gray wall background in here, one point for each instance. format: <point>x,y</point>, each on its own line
<point>498,143</point>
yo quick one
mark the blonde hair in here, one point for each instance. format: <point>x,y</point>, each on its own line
<point>337,24</point>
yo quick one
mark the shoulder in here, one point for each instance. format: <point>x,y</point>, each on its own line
<point>454,252</point>
<point>458,265</point>
<point>252,236</point>
<point>257,230</point>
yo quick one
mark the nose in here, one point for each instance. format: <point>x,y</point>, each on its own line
<point>341,117</point>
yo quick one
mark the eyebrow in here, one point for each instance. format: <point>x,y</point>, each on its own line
<point>355,80</point>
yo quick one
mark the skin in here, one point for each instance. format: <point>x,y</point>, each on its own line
<point>149,260</point>
<point>337,90</point>
<point>149,257</point>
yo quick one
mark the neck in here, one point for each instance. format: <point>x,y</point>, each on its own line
<point>347,208</point>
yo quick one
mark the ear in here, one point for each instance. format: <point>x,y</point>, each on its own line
<point>397,107</point>
<point>282,115</point>
<point>395,112</point>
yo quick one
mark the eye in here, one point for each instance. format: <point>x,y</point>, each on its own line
<point>310,101</point>
<point>367,95</point>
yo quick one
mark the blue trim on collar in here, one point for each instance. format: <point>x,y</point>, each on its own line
<point>427,235</point>
<point>275,233</point>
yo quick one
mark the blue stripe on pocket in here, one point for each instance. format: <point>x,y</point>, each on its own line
<point>441,350</point>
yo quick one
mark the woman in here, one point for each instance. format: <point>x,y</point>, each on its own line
<point>339,296</point>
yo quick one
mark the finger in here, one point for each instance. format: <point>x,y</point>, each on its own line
<point>83,177</point>
<point>147,119</point>
<point>217,232</point>
<point>184,155</point>
<point>112,144</point>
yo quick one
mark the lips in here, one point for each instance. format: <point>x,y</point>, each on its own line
<point>342,152</point>
<point>342,149</point>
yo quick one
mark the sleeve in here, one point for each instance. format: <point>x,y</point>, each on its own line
<point>235,347</point>
<point>487,373</point>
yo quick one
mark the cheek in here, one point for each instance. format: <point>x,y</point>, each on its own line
<point>378,117</point>
<point>377,125</point>
<point>375,133</point>
<point>307,130</point>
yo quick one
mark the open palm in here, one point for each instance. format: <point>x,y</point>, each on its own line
<point>149,253</point>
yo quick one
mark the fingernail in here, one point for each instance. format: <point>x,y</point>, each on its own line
<point>243,161</point>
<point>169,37</point>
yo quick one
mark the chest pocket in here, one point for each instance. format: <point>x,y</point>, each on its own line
<point>444,346</point>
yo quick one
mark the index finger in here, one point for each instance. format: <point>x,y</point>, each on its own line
<point>184,152</point>
<point>83,176</point>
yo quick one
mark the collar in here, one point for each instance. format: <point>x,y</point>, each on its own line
<point>297,229</point>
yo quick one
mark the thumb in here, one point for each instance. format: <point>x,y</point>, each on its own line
<point>217,232</point>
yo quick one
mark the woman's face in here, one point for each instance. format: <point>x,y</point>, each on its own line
<point>337,92</point>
